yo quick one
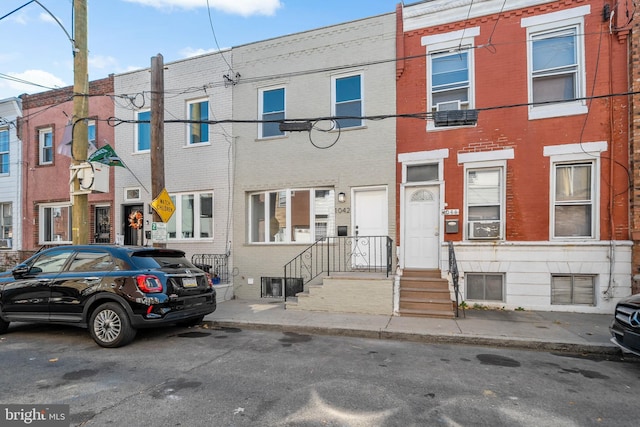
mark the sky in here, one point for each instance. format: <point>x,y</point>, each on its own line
<point>124,35</point>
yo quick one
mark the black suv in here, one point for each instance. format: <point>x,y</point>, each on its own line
<point>112,290</point>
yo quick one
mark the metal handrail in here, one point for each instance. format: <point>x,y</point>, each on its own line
<point>341,254</point>
<point>455,276</point>
<point>217,265</point>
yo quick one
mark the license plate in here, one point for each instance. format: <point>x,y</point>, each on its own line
<point>189,282</point>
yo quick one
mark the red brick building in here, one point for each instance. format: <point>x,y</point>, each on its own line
<point>46,202</point>
<point>521,159</point>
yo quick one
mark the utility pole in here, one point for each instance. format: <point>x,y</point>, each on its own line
<point>80,208</point>
<point>157,131</point>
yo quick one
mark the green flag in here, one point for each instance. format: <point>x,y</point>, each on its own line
<point>107,156</point>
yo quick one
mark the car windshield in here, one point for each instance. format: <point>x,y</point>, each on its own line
<point>161,260</point>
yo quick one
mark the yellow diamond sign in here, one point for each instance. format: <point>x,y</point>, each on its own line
<point>163,205</point>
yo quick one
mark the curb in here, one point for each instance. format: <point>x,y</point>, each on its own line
<point>482,341</point>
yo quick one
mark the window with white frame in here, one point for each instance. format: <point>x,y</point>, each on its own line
<point>4,150</point>
<point>55,223</point>
<point>347,100</point>
<point>272,107</point>
<point>91,136</point>
<point>484,286</point>
<point>198,112</point>
<point>45,146</point>
<point>291,216</point>
<point>573,200</point>
<point>193,217</point>
<point>6,225</point>
<point>484,202</point>
<point>556,63</point>
<point>573,289</point>
<point>143,131</point>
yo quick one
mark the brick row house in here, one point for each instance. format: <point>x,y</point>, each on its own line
<point>523,159</point>
<point>10,182</point>
<point>46,160</point>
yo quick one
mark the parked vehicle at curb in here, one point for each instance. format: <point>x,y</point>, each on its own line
<point>625,327</point>
<point>111,290</point>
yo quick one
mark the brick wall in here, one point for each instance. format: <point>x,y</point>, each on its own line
<point>634,65</point>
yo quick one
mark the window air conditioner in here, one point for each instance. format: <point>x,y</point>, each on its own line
<point>448,106</point>
<point>5,243</point>
<point>484,229</point>
<point>455,117</point>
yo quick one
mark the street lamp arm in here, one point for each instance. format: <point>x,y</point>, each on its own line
<point>73,43</point>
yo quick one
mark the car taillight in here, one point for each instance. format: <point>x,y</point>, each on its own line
<point>149,284</point>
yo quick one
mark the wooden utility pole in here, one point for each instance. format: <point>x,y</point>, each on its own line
<point>80,209</point>
<point>157,131</point>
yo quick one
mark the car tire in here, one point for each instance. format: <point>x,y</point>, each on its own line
<point>4,325</point>
<point>191,322</point>
<point>110,327</point>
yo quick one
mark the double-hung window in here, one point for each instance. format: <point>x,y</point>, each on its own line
<point>143,131</point>
<point>45,146</point>
<point>485,200</point>
<point>347,100</point>
<point>198,112</point>
<point>291,216</point>
<point>91,136</point>
<point>193,217</point>
<point>6,225</point>
<point>272,107</point>
<point>4,151</point>
<point>573,201</point>
<point>556,70</point>
<point>55,223</point>
<point>450,80</point>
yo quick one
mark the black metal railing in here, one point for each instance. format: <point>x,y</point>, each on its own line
<point>217,265</point>
<point>341,254</point>
<point>455,276</point>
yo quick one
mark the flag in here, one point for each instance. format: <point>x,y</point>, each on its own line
<point>107,156</point>
<point>65,147</point>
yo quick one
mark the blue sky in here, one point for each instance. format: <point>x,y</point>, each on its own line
<point>123,35</point>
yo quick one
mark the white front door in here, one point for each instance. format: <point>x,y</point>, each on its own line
<point>421,237</point>
<point>371,218</point>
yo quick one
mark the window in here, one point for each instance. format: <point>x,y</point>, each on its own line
<point>6,225</point>
<point>573,207</point>
<point>484,203</point>
<point>45,145</point>
<point>143,131</point>
<point>4,151</point>
<point>556,63</point>
<point>91,261</point>
<point>55,224</point>
<point>348,101</point>
<point>291,216</point>
<point>91,136</point>
<point>450,81</point>
<point>572,289</point>
<point>421,173</point>
<point>51,262</point>
<point>271,108</point>
<point>198,111</point>
<point>484,287</point>
<point>193,217</point>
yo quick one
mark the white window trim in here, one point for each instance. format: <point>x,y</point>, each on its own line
<point>41,209</point>
<point>126,191</point>
<point>136,142</point>
<point>177,216</point>
<point>451,42</point>
<point>423,158</point>
<point>574,153</point>
<point>261,92</point>
<point>497,164</point>
<point>8,152</point>
<point>41,133</point>
<point>551,22</point>
<point>188,127</point>
<point>334,78</point>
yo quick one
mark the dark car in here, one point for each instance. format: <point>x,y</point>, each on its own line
<point>111,290</point>
<point>625,328</point>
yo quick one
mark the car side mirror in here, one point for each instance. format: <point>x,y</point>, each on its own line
<point>20,270</point>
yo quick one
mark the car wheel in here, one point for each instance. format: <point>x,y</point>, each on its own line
<point>191,322</point>
<point>4,325</point>
<point>109,326</point>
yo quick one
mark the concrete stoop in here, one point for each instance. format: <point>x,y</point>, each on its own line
<point>424,293</point>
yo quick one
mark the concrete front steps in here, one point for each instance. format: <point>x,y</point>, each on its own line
<point>424,293</point>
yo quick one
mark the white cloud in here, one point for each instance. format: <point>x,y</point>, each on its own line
<point>37,77</point>
<point>234,7</point>
<point>101,62</point>
<point>189,52</point>
<point>45,17</point>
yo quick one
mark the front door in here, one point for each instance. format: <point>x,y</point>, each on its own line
<point>132,234</point>
<point>371,218</point>
<point>421,239</point>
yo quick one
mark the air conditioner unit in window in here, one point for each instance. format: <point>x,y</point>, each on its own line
<point>5,243</point>
<point>448,106</point>
<point>455,117</point>
<point>484,229</point>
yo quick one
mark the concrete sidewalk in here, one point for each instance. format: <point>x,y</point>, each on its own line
<point>548,331</point>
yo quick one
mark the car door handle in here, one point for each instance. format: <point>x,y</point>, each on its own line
<point>44,280</point>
